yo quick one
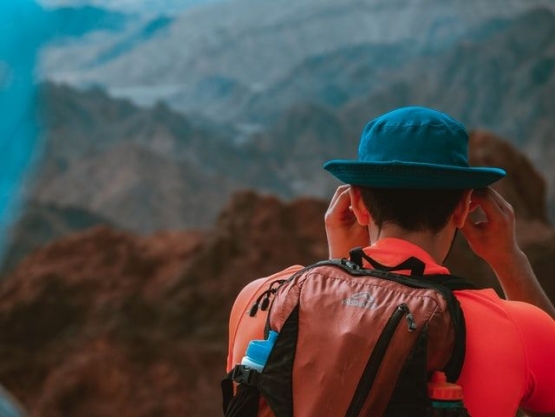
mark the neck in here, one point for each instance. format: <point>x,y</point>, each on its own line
<point>437,245</point>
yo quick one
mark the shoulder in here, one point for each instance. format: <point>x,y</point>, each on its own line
<point>514,338</point>
<point>537,330</point>
<point>241,330</point>
<point>526,317</point>
<point>537,334</point>
<point>254,288</point>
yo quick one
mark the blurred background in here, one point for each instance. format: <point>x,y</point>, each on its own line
<point>157,155</point>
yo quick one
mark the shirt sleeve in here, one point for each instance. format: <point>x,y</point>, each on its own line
<point>538,339</point>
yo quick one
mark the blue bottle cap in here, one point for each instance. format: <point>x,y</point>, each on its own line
<point>259,350</point>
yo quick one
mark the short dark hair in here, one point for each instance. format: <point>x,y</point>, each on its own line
<point>412,209</point>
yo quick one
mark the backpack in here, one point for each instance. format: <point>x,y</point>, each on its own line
<point>353,341</point>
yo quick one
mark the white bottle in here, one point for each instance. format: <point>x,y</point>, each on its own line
<point>258,352</point>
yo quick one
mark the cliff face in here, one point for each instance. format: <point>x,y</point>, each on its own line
<point>107,323</point>
<point>524,186</point>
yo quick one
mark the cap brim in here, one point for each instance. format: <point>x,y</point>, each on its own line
<point>412,175</point>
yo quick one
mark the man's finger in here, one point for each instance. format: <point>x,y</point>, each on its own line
<point>338,192</point>
<point>341,199</point>
<point>470,228</point>
<point>500,201</point>
<point>491,204</point>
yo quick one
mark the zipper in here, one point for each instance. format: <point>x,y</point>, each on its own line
<point>263,300</point>
<point>373,365</point>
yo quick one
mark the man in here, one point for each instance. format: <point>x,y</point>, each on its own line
<point>408,193</point>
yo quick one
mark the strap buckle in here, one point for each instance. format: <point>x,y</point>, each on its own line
<point>245,375</point>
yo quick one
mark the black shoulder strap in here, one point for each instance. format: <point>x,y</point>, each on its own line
<point>415,265</point>
<point>453,282</point>
<point>446,284</point>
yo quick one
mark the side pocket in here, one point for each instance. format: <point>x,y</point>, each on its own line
<point>273,384</point>
<point>410,396</point>
<point>374,361</point>
<point>276,380</point>
<point>244,403</point>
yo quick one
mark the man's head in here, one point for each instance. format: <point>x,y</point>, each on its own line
<point>412,170</point>
<point>412,210</point>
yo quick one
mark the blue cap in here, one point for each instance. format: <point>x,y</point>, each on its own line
<point>413,147</point>
<point>259,350</point>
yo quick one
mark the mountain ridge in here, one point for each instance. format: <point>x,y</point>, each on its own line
<point>271,41</point>
<point>498,78</point>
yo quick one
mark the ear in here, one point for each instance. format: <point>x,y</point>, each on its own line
<point>462,210</point>
<point>359,208</point>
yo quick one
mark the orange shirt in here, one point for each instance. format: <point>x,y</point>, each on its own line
<point>510,346</point>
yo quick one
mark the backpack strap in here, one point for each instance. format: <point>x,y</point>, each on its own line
<point>453,282</point>
<point>244,403</point>
<point>446,284</point>
<point>415,265</point>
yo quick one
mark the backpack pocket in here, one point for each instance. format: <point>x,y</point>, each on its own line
<point>245,403</point>
<point>375,360</point>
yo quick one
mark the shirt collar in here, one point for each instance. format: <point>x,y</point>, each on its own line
<point>392,251</point>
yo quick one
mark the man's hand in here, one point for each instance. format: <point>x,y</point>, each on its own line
<point>342,228</point>
<point>494,240</point>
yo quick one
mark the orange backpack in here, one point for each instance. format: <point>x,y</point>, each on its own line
<point>353,341</point>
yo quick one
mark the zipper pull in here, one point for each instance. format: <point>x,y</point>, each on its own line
<point>410,318</point>
<point>263,301</point>
<point>411,323</point>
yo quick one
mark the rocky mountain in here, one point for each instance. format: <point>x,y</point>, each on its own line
<point>299,143</point>
<point>136,188</point>
<point>109,157</point>
<point>150,169</point>
<point>257,44</point>
<point>494,74</point>
<point>145,169</point>
<point>154,169</point>
<point>106,161</point>
<point>107,322</point>
<point>42,223</point>
<point>502,64</point>
<point>500,82</point>
<point>115,323</point>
